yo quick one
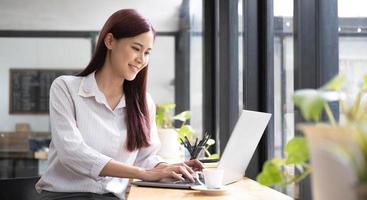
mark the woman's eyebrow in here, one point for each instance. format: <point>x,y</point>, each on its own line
<point>137,43</point>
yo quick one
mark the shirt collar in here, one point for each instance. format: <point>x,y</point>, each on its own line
<point>89,88</point>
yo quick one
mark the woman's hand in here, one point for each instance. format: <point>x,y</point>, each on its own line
<point>179,171</point>
<point>164,171</point>
<point>195,164</point>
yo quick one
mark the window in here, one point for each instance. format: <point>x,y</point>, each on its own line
<point>352,41</point>
<point>283,77</point>
<point>196,65</point>
<point>240,52</point>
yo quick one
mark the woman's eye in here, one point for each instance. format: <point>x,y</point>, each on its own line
<point>136,49</point>
<point>147,53</point>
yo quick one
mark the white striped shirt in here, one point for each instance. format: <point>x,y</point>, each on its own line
<point>86,135</point>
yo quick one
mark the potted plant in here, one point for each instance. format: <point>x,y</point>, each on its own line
<point>168,134</point>
<point>172,137</point>
<point>337,150</point>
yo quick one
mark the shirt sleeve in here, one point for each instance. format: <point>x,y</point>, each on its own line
<point>71,149</point>
<point>147,157</point>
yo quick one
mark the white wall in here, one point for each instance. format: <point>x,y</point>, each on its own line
<point>161,72</point>
<point>82,14</point>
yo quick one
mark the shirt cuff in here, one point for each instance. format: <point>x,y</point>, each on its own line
<point>153,161</point>
<point>99,165</point>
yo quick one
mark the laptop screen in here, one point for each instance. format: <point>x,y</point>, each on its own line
<point>242,144</point>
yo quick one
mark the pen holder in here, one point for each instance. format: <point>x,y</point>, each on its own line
<point>197,152</point>
<point>197,149</point>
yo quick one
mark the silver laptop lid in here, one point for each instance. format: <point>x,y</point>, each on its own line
<point>242,144</point>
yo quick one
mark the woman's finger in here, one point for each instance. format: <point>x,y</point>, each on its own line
<point>188,168</point>
<point>185,173</point>
<point>196,164</point>
<point>177,176</point>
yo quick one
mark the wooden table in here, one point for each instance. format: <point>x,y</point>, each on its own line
<point>244,189</point>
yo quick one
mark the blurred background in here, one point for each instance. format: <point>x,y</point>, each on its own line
<point>40,40</point>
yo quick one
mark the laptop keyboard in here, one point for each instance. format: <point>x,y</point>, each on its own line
<point>186,181</point>
<point>199,180</point>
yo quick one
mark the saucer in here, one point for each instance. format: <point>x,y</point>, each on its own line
<point>205,190</point>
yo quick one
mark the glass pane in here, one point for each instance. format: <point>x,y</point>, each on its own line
<point>283,79</point>
<point>352,41</point>
<point>196,64</point>
<point>240,53</point>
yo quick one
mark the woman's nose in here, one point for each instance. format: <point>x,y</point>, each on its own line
<point>140,58</point>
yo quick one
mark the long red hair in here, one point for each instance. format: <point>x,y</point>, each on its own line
<point>127,23</point>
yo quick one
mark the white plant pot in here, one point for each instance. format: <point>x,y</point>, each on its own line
<point>332,176</point>
<point>169,144</point>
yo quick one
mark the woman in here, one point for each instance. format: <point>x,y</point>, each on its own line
<point>103,121</point>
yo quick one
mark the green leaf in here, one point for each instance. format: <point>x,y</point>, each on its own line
<point>214,156</point>
<point>365,82</point>
<point>184,116</point>
<point>164,115</point>
<point>336,83</point>
<point>328,95</point>
<point>159,117</point>
<point>270,175</point>
<point>310,102</point>
<point>297,151</point>
<point>278,162</point>
<point>185,130</point>
<point>167,106</point>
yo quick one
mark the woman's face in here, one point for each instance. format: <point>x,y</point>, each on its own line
<point>129,55</point>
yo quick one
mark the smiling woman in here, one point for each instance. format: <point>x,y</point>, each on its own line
<point>102,121</point>
<point>125,59</point>
<point>116,51</point>
<point>128,52</point>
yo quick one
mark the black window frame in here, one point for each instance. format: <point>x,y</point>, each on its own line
<point>315,44</point>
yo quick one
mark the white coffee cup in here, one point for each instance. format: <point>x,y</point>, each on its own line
<point>213,178</point>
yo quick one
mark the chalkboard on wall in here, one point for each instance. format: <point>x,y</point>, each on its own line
<point>29,89</point>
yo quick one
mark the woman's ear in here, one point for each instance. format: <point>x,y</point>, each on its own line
<point>108,40</point>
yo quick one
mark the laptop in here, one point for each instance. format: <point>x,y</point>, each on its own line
<point>237,153</point>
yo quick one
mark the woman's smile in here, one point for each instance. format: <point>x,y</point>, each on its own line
<point>134,68</point>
